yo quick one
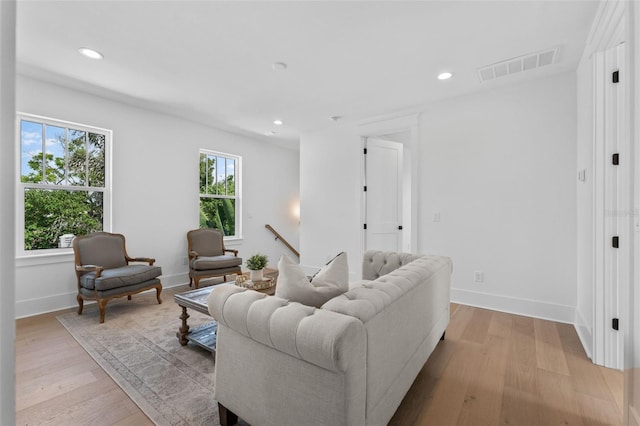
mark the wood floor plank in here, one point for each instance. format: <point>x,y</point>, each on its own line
<point>558,399</point>
<point>598,412</point>
<point>501,324</point>
<point>424,386</point>
<point>615,381</point>
<point>51,385</point>
<point>549,352</point>
<point>519,408</point>
<point>492,368</point>
<point>483,399</point>
<point>462,317</point>
<point>587,378</point>
<point>478,327</point>
<point>521,371</point>
<point>91,402</point>
<point>570,340</point>
<point>449,392</point>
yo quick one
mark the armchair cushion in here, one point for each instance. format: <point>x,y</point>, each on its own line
<point>102,249</point>
<point>206,242</point>
<point>120,277</point>
<point>204,263</point>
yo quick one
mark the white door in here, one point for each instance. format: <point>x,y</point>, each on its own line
<point>383,195</point>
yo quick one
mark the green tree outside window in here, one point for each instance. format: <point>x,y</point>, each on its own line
<point>218,192</point>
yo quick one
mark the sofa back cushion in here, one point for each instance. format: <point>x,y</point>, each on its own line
<point>376,263</point>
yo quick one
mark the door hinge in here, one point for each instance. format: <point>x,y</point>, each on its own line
<point>365,151</point>
<point>615,77</point>
<point>615,159</point>
<point>615,242</point>
<point>365,188</point>
<point>615,324</point>
<point>365,226</point>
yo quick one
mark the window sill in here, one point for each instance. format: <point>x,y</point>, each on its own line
<point>234,241</point>
<point>44,259</point>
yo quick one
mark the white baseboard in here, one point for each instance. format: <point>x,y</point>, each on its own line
<point>42,305</point>
<point>515,305</point>
<point>584,334</point>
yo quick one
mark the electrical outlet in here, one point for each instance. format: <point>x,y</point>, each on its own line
<point>478,276</point>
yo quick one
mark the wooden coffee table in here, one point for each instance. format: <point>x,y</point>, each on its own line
<point>204,335</point>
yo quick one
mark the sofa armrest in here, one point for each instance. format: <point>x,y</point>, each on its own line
<point>318,336</point>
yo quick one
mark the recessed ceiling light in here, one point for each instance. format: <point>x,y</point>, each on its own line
<point>90,53</point>
<point>279,66</point>
<point>278,122</point>
<point>445,76</point>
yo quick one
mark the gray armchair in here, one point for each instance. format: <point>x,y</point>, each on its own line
<point>104,272</point>
<point>207,256</point>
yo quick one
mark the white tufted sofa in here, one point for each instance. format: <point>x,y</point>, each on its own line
<point>349,363</point>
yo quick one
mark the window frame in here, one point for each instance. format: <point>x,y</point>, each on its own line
<point>238,190</point>
<point>21,252</point>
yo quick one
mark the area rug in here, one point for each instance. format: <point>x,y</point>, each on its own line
<point>137,346</point>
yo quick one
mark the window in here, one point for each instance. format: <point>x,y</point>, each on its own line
<point>219,192</point>
<point>63,188</point>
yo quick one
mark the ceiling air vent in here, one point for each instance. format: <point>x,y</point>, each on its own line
<point>519,64</point>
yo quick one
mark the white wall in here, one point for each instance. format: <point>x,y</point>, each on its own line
<point>7,185</point>
<point>584,212</point>
<point>330,197</point>
<point>499,166</point>
<point>155,189</point>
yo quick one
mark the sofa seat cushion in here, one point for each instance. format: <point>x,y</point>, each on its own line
<point>204,263</point>
<point>331,281</point>
<point>120,277</point>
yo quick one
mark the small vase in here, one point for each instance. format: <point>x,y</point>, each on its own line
<point>257,275</point>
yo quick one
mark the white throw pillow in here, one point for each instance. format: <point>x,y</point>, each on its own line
<point>331,281</point>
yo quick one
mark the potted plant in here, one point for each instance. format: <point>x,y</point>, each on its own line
<point>256,264</point>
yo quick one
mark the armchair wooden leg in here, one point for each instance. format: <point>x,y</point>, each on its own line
<point>190,280</point>
<point>158,291</point>
<point>80,304</point>
<point>196,282</point>
<point>227,418</point>
<point>102,304</point>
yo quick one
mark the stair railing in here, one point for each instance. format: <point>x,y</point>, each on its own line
<point>279,237</point>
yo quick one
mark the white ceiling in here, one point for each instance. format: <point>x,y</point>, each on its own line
<point>211,61</point>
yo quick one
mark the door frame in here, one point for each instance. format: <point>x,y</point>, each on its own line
<point>376,128</point>
<point>612,214</point>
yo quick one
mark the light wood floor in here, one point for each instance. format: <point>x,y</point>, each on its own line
<point>492,369</point>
